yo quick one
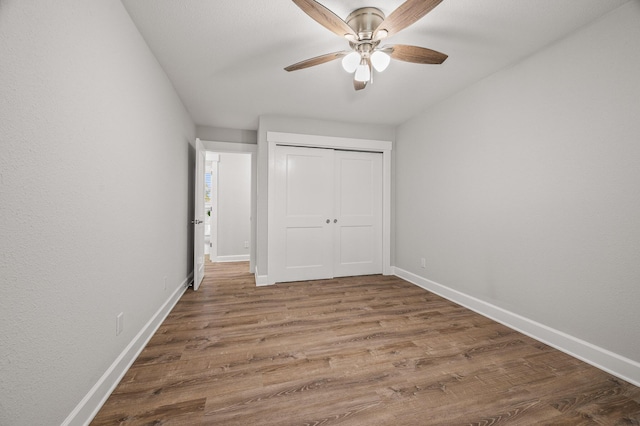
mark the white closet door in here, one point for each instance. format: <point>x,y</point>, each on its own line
<point>304,204</point>
<point>358,207</point>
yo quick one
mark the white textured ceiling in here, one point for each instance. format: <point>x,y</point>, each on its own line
<point>226,57</point>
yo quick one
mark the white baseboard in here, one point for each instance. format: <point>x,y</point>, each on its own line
<point>235,258</point>
<point>89,406</point>
<point>261,280</point>
<point>618,365</point>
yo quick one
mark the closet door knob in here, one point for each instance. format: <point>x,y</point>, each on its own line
<point>335,220</point>
<point>328,221</point>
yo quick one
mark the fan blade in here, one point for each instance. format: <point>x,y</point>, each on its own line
<point>359,85</point>
<point>316,61</point>
<point>325,17</point>
<point>406,14</point>
<point>415,54</point>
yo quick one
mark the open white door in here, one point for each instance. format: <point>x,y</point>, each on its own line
<point>198,217</point>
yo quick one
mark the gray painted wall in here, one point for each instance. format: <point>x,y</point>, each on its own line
<point>523,190</point>
<point>94,184</point>
<point>234,207</point>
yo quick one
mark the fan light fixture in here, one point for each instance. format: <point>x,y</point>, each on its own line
<point>351,61</point>
<point>380,60</point>
<point>354,62</point>
<point>363,72</point>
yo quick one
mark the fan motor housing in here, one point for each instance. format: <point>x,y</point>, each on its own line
<point>364,21</point>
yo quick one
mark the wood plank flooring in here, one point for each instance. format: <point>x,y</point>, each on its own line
<point>368,350</point>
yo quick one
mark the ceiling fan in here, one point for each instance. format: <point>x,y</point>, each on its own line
<point>365,28</point>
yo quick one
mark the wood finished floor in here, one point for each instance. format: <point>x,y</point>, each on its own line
<point>368,350</point>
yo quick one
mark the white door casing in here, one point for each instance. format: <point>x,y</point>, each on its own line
<point>213,249</point>
<point>198,217</point>
<point>278,138</point>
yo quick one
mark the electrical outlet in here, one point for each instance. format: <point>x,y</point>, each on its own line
<point>246,244</point>
<point>119,323</point>
<point>423,263</point>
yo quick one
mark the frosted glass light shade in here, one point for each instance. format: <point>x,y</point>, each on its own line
<point>363,73</point>
<point>380,60</point>
<point>351,62</point>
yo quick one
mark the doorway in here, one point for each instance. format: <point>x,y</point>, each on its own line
<point>248,153</point>
<point>228,206</point>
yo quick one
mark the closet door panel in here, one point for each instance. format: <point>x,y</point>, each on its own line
<point>356,245</point>
<point>304,203</point>
<point>358,206</point>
